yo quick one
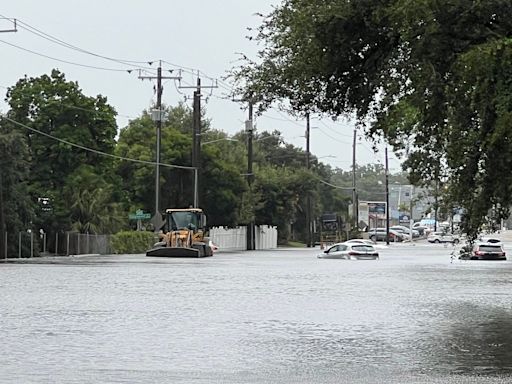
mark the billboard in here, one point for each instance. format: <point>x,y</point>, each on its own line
<point>372,213</point>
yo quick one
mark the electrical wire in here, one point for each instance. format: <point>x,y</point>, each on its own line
<point>94,150</point>
<point>66,61</point>
<point>31,29</point>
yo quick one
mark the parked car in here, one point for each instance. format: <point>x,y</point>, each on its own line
<point>406,231</point>
<point>349,251</point>
<point>443,237</point>
<point>379,234</point>
<point>422,229</point>
<point>488,250</point>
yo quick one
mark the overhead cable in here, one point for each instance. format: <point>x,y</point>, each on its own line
<point>94,150</point>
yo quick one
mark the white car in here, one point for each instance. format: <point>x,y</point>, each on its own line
<point>350,251</point>
<point>442,237</point>
<point>359,241</point>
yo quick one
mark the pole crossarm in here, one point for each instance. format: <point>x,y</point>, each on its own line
<point>13,21</point>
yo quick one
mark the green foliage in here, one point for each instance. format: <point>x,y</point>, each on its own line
<point>130,242</point>
<point>93,204</point>
<point>59,109</point>
<point>432,77</point>
<point>16,206</point>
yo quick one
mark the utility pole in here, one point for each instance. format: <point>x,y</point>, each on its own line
<point>354,193</point>
<point>387,196</point>
<point>196,139</point>
<point>308,197</point>
<point>411,208</point>
<point>249,127</point>
<point>196,135</point>
<point>157,117</point>
<point>3,233</point>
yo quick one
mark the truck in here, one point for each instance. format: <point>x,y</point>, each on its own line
<point>331,228</point>
<point>183,235</point>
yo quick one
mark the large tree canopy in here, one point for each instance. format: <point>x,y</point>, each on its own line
<point>432,76</point>
<point>51,112</point>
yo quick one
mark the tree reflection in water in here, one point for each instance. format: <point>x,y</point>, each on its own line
<point>478,341</point>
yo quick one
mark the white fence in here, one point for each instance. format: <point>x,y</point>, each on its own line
<point>235,239</point>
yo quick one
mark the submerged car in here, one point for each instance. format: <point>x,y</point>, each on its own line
<point>488,250</point>
<point>359,241</point>
<point>350,251</point>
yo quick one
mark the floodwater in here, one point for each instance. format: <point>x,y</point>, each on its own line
<point>280,316</point>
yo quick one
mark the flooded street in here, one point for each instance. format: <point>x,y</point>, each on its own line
<point>279,316</point>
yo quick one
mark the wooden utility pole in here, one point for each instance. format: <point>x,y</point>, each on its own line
<point>249,127</point>
<point>3,232</point>
<point>196,139</point>
<point>196,135</point>
<point>387,196</point>
<point>308,197</point>
<point>157,116</point>
<point>354,193</point>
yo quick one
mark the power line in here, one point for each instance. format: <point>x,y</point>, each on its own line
<point>91,149</point>
<point>60,42</point>
<point>331,129</point>
<point>66,61</point>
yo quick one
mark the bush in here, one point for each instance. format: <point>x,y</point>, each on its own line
<point>132,242</point>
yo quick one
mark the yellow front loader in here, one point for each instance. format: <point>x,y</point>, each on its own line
<point>183,235</point>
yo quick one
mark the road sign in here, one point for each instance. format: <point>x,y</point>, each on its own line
<point>139,215</point>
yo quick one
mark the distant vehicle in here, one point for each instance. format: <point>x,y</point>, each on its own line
<point>488,250</point>
<point>379,234</point>
<point>349,251</point>
<point>422,229</point>
<point>359,241</point>
<point>442,237</point>
<point>406,231</point>
<point>183,236</point>
<point>331,228</point>
<point>489,240</point>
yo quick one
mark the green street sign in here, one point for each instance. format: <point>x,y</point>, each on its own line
<point>139,215</point>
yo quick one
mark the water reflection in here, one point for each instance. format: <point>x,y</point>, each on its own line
<point>476,340</point>
<point>258,318</point>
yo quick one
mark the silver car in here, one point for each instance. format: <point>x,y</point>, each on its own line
<point>350,251</point>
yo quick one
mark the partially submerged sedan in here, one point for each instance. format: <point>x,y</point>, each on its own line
<point>488,250</point>
<point>350,251</point>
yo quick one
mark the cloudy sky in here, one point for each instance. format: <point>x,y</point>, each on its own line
<point>200,35</point>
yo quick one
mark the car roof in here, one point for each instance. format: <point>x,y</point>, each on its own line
<point>489,240</point>
<point>490,243</point>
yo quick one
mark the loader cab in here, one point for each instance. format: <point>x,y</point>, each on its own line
<point>192,219</point>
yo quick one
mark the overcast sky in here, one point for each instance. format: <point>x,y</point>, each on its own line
<point>203,35</point>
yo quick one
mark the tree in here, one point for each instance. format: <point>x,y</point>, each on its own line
<point>221,180</point>
<point>16,206</point>
<point>432,77</point>
<point>54,111</point>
